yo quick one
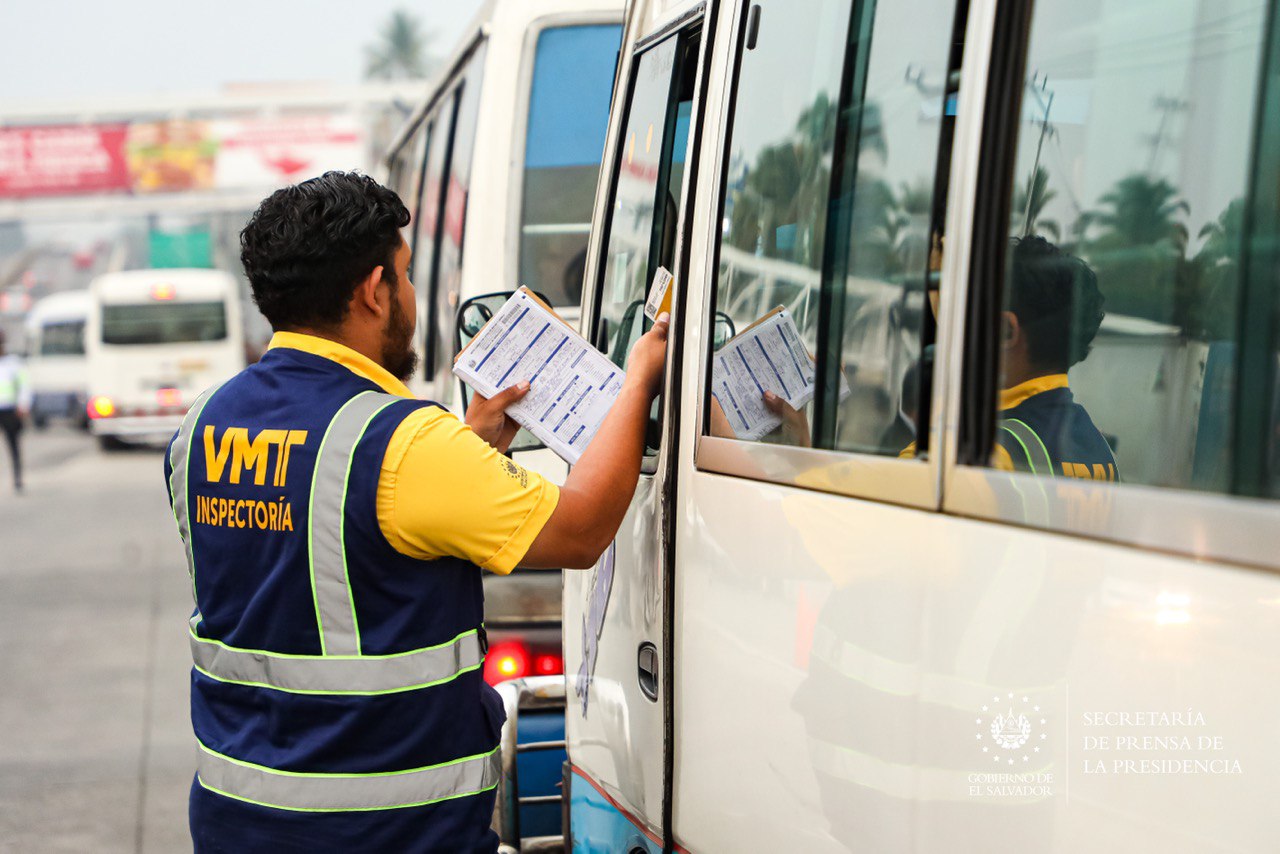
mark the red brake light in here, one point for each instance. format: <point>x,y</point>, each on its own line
<point>101,407</point>
<point>169,397</point>
<point>548,665</point>
<point>506,660</point>
<point>163,292</point>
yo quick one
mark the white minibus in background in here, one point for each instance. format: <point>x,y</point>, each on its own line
<point>55,357</point>
<point>154,340</point>
<point>1007,575</point>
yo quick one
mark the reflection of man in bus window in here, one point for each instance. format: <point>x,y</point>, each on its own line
<point>1053,311</point>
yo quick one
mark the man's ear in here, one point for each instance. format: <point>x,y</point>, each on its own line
<point>366,293</point>
<point>1010,330</point>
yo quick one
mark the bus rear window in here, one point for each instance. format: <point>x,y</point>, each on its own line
<point>164,323</point>
<point>62,339</point>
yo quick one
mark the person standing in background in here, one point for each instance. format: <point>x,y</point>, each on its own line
<point>15,403</point>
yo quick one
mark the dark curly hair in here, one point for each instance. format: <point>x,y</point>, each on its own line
<point>1056,298</point>
<point>306,246</point>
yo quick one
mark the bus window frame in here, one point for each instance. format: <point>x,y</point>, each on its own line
<point>520,126</point>
<point>688,24</point>
<point>891,480</point>
<point>1200,525</point>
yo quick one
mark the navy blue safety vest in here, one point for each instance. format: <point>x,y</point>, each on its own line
<point>337,692</point>
<point>1050,434</point>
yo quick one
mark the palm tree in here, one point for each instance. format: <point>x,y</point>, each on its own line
<point>1140,252</point>
<point>1143,211</point>
<point>1224,237</point>
<point>402,50</point>
<point>1212,292</point>
<point>1029,202</point>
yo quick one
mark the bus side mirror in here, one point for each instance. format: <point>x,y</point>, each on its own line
<point>724,330</point>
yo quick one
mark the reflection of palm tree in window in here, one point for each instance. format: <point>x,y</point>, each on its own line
<point>1138,247</point>
<point>1141,211</point>
<point>1211,296</point>
<point>780,211</point>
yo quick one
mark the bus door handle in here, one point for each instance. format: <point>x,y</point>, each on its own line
<point>647,668</point>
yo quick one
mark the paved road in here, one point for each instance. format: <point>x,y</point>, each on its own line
<point>96,752</point>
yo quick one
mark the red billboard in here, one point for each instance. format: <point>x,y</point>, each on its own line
<point>62,159</point>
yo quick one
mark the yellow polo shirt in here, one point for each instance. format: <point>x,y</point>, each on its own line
<point>444,491</point>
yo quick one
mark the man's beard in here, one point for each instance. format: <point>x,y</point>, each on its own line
<point>398,355</point>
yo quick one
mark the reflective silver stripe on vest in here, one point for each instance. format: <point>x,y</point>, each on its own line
<point>180,463</point>
<point>341,792</point>
<point>1037,453</point>
<point>335,610</point>
<point>305,674</point>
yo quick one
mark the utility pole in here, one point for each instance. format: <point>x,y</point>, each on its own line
<point>1046,104</point>
<point>1167,107</point>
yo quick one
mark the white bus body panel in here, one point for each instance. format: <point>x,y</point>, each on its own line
<point>937,617</point>
<point>131,375</point>
<point>60,376</point>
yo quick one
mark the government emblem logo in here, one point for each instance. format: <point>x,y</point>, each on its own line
<point>1011,729</point>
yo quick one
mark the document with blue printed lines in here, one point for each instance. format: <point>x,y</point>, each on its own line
<point>572,384</point>
<point>768,356</point>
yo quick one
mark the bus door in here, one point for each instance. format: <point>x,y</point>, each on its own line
<point>615,615</point>
<point>809,482</point>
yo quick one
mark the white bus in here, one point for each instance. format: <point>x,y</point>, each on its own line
<point>154,340</point>
<point>868,634</point>
<point>55,357</point>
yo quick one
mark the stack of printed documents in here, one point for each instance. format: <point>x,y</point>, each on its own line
<point>573,385</point>
<point>766,356</point>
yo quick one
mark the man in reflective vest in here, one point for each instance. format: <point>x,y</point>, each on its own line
<point>1053,311</point>
<point>336,529</point>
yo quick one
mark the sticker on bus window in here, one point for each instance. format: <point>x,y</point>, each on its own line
<point>659,294</point>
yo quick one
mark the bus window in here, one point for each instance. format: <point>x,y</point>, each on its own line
<point>448,286</point>
<point>643,214</point>
<point>164,323</point>
<point>62,339</point>
<point>1120,298</point>
<point>427,233</point>
<point>886,233</point>
<point>406,175</point>
<point>777,188</point>
<point>852,276</point>
<point>568,118</point>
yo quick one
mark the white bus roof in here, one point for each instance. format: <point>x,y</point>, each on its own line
<point>64,305</point>
<point>145,285</point>
<point>491,15</point>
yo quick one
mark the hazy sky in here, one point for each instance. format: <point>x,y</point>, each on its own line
<point>75,50</point>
